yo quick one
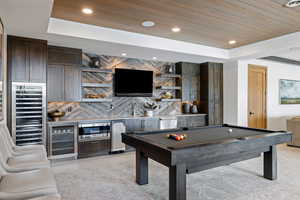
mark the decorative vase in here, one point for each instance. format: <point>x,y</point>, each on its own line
<point>149,113</point>
<point>186,108</point>
<point>194,109</point>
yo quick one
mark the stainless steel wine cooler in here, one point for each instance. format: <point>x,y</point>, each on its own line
<point>29,113</point>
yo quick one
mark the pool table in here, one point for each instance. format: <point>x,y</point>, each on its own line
<point>204,148</point>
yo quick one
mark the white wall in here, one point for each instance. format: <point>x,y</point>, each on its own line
<point>236,107</point>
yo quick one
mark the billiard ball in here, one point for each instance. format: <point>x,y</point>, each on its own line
<point>230,130</point>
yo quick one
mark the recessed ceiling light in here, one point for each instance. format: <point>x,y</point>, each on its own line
<point>148,23</point>
<point>176,29</point>
<point>292,3</point>
<point>154,58</point>
<point>232,42</point>
<point>124,54</point>
<point>87,11</point>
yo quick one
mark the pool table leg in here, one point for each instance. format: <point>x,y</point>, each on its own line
<point>177,182</point>
<point>270,164</point>
<point>141,168</point>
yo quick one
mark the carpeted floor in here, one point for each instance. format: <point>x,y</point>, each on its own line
<point>113,178</point>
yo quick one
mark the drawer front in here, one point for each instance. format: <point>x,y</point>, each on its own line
<point>90,148</point>
<point>191,121</point>
<point>182,122</point>
<point>197,121</point>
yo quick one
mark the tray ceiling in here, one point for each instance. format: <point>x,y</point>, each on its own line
<point>206,22</point>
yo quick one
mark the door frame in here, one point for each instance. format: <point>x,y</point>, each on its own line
<point>264,68</point>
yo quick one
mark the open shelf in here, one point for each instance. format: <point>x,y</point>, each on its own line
<point>95,100</point>
<point>169,87</point>
<point>100,85</point>
<point>89,69</point>
<point>169,75</point>
<point>169,100</point>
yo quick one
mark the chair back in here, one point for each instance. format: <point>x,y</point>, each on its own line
<point>5,131</point>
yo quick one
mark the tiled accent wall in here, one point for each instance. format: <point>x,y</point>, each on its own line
<point>120,106</point>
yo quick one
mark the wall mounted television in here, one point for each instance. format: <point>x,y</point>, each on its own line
<point>133,83</point>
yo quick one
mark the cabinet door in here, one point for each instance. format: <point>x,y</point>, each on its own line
<point>55,83</point>
<point>19,61</point>
<point>72,83</point>
<point>182,122</point>
<point>133,124</point>
<point>37,62</point>
<point>197,121</point>
<point>150,124</point>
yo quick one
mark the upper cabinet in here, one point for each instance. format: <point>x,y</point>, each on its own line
<point>190,73</point>
<point>27,59</point>
<point>64,74</point>
<point>211,92</point>
<point>63,55</point>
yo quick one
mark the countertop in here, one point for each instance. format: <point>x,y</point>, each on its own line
<point>119,118</point>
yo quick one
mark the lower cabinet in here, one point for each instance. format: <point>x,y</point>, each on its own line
<point>140,124</point>
<point>93,148</point>
<point>191,121</point>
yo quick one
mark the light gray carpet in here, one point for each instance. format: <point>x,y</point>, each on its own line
<point>113,178</point>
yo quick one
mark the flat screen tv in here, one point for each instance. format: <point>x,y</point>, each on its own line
<point>133,83</point>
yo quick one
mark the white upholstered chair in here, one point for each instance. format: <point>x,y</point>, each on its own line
<point>49,197</point>
<point>20,163</point>
<point>20,150</point>
<point>26,185</point>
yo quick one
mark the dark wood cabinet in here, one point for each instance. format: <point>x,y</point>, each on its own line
<point>27,60</point>
<point>63,55</point>
<point>211,92</point>
<point>55,83</point>
<point>38,65</point>
<point>190,76</point>
<point>72,80</point>
<point>64,75</point>
<point>63,83</point>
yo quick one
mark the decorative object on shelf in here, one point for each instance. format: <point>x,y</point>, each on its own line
<point>194,109</point>
<point>91,60</point>
<point>167,95</point>
<point>95,96</point>
<point>170,69</point>
<point>150,107</point>
<point>186,107</point>
<point>56,115</point>
<point>94,62</point>
<point>289,91</point>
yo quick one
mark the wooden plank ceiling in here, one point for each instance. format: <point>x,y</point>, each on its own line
<point>207,22</point>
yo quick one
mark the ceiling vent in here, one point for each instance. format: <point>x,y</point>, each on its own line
<point>292,3</point>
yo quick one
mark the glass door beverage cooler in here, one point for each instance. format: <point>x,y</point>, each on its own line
<point>29,113</point>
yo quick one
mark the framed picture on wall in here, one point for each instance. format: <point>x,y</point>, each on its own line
<point>289,91</point>
<point>1,68</point>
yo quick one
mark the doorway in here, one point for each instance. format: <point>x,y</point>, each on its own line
<point>257,96</point>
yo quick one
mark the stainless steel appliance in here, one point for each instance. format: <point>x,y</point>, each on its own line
<point>29,113</point>
<point>94,131</point>
<point>63,140</point>
<point>118,127</point>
